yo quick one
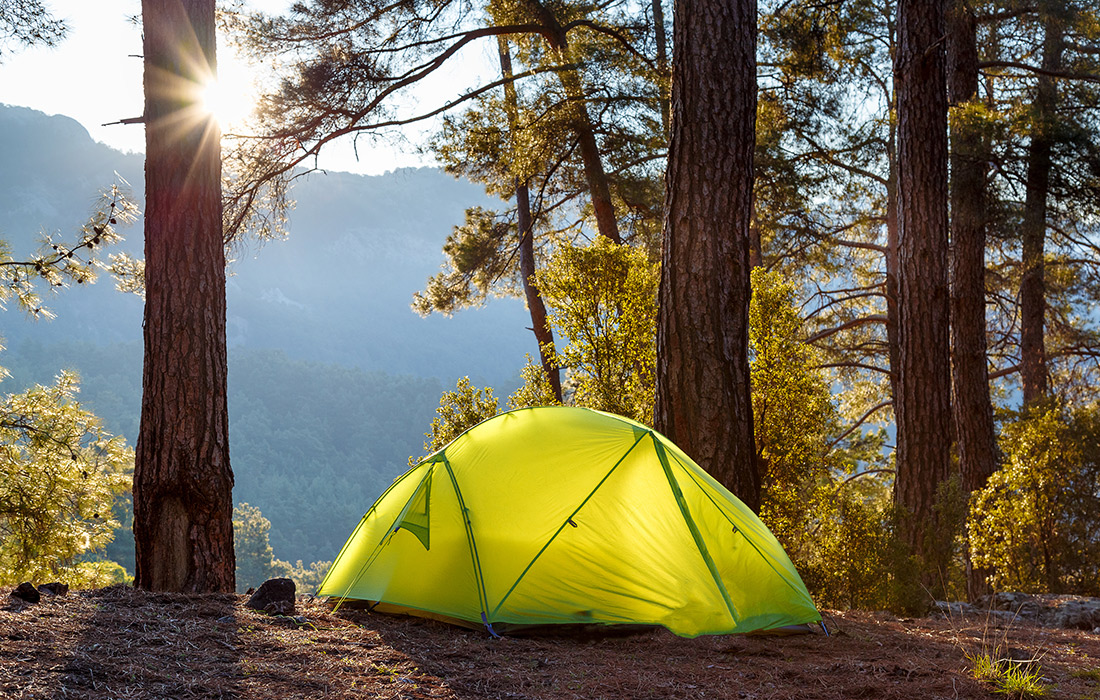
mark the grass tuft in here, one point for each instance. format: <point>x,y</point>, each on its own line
<point>1014,680</point>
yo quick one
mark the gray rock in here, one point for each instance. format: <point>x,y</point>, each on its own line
<point>1020,604</point>
<point>275,596</point>
<point>954,609</point>
<point>1080,614</point>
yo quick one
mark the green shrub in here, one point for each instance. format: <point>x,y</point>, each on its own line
<point>60,473</point>
<point>458,411</point>
<point>256,562</point>
<point>601,302</point>
<point>307,579</point>
<point>844,557</point>
<point>1035,523</point>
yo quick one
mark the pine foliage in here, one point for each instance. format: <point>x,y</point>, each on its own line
<point>60,473</point>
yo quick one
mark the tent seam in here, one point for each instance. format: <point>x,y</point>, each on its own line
<point>700,545</point>
<point>748,539</point>
<point>567,520</point>
<point>482,595</point>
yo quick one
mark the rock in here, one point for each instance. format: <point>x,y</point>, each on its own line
<point>1082,614</point>
<point>26,591</point>
<point>1019,604</point>
<point>56,588</point>
<point>953,609</point>
<point>275,596</point>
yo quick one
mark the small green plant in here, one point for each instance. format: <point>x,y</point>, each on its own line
<point>1022,682</point>
<point>383,670</point>
<point>1013,679</point>
<point>1091,675</point>
<point>984,667</point>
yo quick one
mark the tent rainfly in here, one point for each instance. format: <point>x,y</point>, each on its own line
<point>559,515</point>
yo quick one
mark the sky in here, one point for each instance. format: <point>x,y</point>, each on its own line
<point>95,77</point>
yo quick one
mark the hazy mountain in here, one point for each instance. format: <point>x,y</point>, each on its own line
<point>332,378</point>
<point>336,290</point>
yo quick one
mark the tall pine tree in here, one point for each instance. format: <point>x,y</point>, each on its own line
<point>703,387</point>
<point>183,482</point>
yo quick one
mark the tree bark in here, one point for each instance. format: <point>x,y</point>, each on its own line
<point>893,343</point>
<point>660,38</point>
<point>922,404</point>
<point>182,479</point>
<point>595,175</point>
<point>544,335</point>
<point>1033,361</point>
<point>703,393</point>
<point>975,437</point>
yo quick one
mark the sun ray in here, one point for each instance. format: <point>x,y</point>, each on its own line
<point>230,96</point>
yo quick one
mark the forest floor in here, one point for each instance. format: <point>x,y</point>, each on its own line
<point>122,643</point>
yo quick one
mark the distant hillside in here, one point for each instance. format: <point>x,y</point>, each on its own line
<point>337,290</point>
<point>332,378</point>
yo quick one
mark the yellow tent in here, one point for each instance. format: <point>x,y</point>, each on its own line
<point>561,515</point>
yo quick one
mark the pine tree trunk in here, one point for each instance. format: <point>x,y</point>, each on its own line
<point>703,392</point>
<point>544,335</point>
<point>1033,361</point>
<point>893,343</point>
<point>922,404</point>
<point>661,40</point>
<point>595,175</point>
<point>539,325</point>
<point>182,479</point>
<point>975,438</point>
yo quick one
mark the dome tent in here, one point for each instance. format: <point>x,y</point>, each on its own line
<point>559,515</point>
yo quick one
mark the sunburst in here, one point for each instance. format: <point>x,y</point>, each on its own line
<point>231,97</point>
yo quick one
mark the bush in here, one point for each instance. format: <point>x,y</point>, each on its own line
<point>307,579</point>
<point>60,473</point>
<point>458,411</point>
<point>251,546</point>
<point>792,408</point>
<point>844,556</point>
<point>601,302</point>
<point>256,562</point>
<point>1036,524</point>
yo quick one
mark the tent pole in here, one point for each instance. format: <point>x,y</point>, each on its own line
<point>482,596</point>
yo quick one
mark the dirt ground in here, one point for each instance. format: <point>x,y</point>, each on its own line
<point>122,643</point>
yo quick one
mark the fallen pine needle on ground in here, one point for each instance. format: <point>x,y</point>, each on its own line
<point>120,642</point>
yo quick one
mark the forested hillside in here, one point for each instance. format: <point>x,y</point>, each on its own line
<point>312,444</point>
<point>333,379</point>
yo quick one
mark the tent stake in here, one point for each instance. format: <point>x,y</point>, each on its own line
<point>489,626</point>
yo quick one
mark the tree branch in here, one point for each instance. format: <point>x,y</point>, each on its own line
<point>855,322</point>
<point>1089,77</point>
<point>862,419</point>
